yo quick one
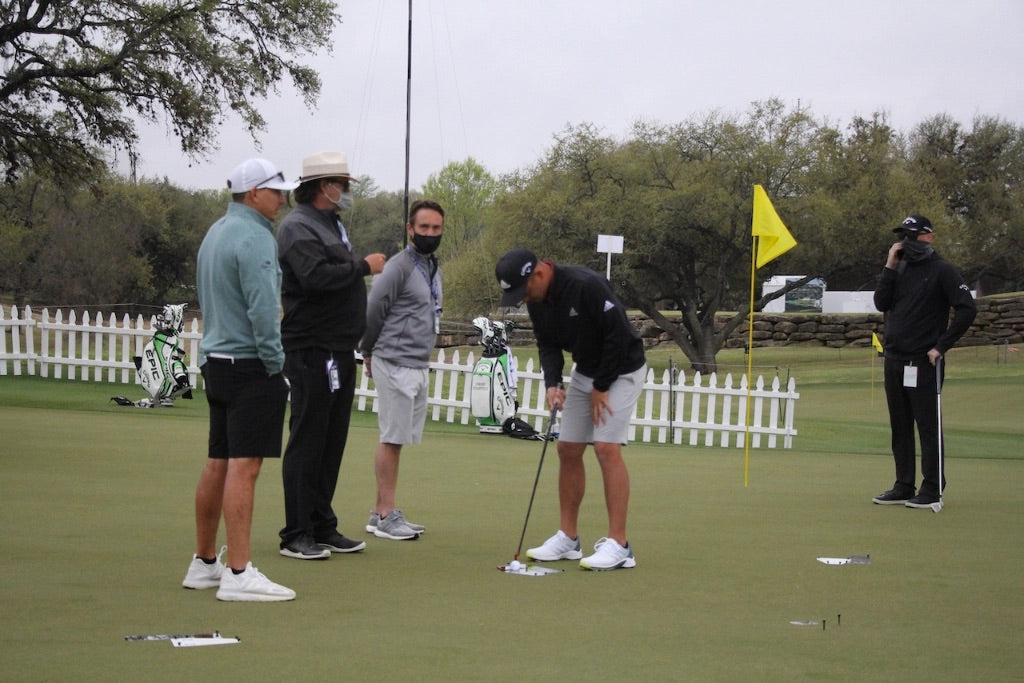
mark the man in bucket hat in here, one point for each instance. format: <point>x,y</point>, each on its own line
<point>324,298</point>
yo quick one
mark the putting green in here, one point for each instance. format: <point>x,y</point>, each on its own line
<point>97,504</point>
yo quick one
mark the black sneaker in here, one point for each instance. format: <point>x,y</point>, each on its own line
<point>922,500</point>
<point>337,543</point>
<point>303,548</point>
<point>894,496</point>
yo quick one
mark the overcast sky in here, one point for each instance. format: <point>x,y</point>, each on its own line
<point>497,79</point>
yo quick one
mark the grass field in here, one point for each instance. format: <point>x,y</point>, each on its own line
<point>97,504</point>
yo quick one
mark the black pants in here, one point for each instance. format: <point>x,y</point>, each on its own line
<point>316,443</point>
<point>909,406</point>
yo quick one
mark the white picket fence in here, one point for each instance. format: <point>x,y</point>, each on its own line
<point>701,412</point>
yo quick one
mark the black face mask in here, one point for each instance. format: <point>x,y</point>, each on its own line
<point>914,250</point>
<point>426,244</point>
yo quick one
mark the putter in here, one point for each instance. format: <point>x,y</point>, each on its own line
<point>515,567</point>
<point>938,410</point>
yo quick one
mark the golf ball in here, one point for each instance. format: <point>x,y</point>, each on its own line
<point>514,565</point>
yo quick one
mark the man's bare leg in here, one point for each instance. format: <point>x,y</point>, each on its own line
<point>239,490</point>
<point>616,488</point>
<point>572,484</point>
<point>209,504</point>
<point>385,467</point>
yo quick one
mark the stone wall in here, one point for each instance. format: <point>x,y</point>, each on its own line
<point>1000,320</point>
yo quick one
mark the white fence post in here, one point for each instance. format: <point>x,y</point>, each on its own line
<point>363,390</point>
<point>467,386</point>
<point>726,411</point>
<point>126,355</point>
<point>193,337</point>
<point>44,344</point>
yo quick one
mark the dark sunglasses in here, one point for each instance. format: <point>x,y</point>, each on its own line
<point>279,176</point>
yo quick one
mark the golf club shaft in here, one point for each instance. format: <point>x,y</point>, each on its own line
<point>543,450</point>
<point>938,415</point>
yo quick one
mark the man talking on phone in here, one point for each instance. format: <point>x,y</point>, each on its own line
<point>916,291</point>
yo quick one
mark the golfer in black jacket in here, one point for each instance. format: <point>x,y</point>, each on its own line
<point>916,291</point>
<point>574,309</point>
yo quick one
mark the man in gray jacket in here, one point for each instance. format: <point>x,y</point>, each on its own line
<point>403,317</point>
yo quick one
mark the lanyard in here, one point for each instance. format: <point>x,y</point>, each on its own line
<point>343,233</point>
<point>429,277</point>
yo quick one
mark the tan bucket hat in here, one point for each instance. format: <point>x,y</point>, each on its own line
<point>325,165</point>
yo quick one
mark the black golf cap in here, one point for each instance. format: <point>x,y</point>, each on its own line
<point>915,224</point>
<point>513,270</point>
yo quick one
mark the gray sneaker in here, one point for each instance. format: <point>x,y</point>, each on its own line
<point>394,527</point>
<point>374,520</point>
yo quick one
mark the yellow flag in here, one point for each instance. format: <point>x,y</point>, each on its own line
<point>774,239</point>
<point>876,343</point>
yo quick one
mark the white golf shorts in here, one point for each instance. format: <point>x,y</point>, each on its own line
<point>401,401</point>
<point>577,424</point>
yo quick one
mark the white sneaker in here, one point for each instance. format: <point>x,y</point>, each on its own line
<point>201,575</point>
<point>251,586</point>
<point>558,547</point>
<point>608,554</point>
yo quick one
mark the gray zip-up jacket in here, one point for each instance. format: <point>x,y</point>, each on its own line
<point>401,309</point>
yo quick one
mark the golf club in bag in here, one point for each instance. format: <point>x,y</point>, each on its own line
<point>515,566</point>
<point>161,368</point>
<point>938,414</point>
<point>493,400</point>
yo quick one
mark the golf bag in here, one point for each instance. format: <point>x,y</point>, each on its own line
<point>493,400</point>
<point>161,368</point>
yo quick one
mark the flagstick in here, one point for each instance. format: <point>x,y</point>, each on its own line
<point>873,354</point>
<point>750,363</point>
<point>764,224</point>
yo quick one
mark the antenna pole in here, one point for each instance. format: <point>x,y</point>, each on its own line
<point>408,117</point>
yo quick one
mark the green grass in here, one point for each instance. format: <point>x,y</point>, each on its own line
<point>97,504</point>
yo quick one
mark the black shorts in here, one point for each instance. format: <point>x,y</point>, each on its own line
<point>247,408</point>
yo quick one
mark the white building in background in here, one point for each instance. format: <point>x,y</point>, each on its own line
<point>814,297</point>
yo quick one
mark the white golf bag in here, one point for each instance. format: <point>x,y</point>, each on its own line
<point>493,400</point>
<point>161,368</point>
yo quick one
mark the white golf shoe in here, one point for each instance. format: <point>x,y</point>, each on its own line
<point>608,554</point>
<point>251,586</point>
<point>558,547</point>
<point>201,575</point>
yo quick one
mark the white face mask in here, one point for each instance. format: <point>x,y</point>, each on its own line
<point>344,200</point>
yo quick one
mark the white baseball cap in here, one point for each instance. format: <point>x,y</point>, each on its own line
<point>252,174</point>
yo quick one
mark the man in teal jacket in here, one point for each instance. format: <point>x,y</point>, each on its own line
<point>239,284</point>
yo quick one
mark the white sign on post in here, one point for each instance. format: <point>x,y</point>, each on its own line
<point>609,244</point>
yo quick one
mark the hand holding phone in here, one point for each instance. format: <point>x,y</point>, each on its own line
<point>894,255</point>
